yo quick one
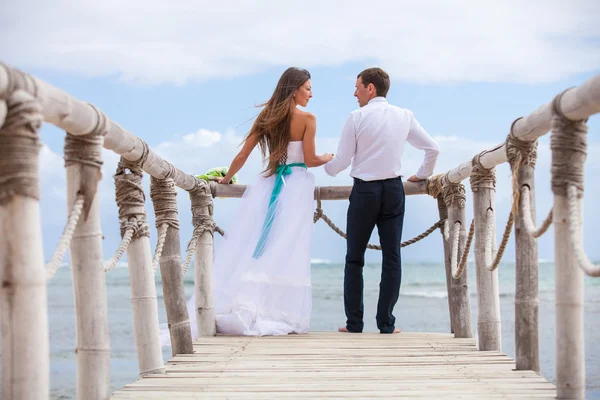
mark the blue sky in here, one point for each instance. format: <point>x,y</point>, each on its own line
<point>186,77</point>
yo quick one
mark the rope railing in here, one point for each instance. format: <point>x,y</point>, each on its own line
<point>88,128</point>
<point>518,152</point>
<point>506,235</point>
<point>319,214</point>
<point>575,234</point>
<point>162,235</point>
<point>458,267</point>
<point>130,198</point>
<point>201,199</point>
<point>530,227</point>
<point>164,198</point>
<point>578,103</point>
<point>455,197</point>
<point>528,128</point>
<point>65,239</point>
<point>112,262</point>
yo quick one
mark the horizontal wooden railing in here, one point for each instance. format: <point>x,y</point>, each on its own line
<point>80,118</point>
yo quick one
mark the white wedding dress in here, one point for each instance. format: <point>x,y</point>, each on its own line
<point>269,294</point>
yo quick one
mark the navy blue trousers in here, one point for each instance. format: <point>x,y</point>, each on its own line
<point>373,203</point>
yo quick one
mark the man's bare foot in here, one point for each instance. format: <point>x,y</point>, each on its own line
<point>397,330</point>
<point>345,330</point>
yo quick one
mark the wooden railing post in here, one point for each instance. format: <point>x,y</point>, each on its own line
<point>132,214</point>
<point>567,168</point>
<point>204,226</point>
<point>23,307</point>
<point>455,198</point>
<point>526,251</point>
<point>483,186</point>
<point>83,161</point>
<point>443,212</point>
<point>164,198</point>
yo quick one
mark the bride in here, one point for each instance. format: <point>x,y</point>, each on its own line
<point>261,270</point>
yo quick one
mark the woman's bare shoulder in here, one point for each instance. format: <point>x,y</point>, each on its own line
<point>301,121</point>
<point>304,116</point>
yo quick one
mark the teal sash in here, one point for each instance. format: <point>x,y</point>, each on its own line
<point>284,169</point>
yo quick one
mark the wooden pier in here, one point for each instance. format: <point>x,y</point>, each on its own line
<point>318,365</point>
<point>337,365</point>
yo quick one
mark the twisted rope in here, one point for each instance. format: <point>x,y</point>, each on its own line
<point>189,251</point>
<point>568,143</point>
<point>575,234</point>
<point>202,220</point>
<point>569,152</point>
<point>503,243</point>
<point>319,214</point>
<point>20,147</point>
<point>127,236</point>
<point>65,239</point>
<point>519,152</point>
<point>454,250</point>
<point>457,270</point>
<point>526,212</point>
<point>102,125</point>
<point>435,186</point>
<point>86,151</point>
<point>445,229</point>
<point>130,197</point>
<point>454,193</point>
<point>482,177</point>
<point>164,198</point>
<point>162,235</point>
<point>19,80</point>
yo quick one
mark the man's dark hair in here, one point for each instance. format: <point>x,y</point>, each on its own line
<point>378,77</point>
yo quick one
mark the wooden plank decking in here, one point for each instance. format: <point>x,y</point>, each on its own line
<point>337,365</point>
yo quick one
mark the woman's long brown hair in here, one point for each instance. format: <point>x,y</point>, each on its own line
<point>272,125</point>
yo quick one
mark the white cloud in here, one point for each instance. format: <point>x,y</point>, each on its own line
<point>421,210</point>
<point>201,138</point>
<point>154,41</point>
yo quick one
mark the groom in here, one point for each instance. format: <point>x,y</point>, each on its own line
<point>373,141</point>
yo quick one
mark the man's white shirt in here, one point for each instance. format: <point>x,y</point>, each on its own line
<point>373,141</point>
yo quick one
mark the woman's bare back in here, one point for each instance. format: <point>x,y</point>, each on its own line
<point>298,125</point>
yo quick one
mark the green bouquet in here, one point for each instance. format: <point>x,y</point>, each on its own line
<point>214,173</point>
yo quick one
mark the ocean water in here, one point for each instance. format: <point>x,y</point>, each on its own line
<point>422,307</point>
